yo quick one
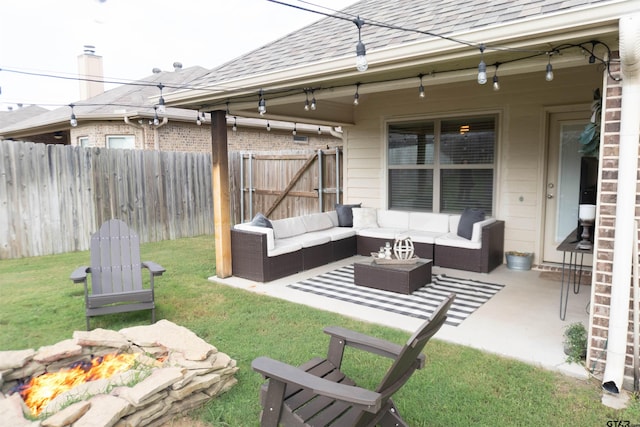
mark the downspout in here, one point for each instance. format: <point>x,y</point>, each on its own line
<point>625,204</point>
<point>156,138</point>
<point>137,126</point>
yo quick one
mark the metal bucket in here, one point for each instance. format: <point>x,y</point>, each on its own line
<point>519,261</point>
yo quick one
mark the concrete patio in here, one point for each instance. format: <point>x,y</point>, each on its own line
<point>522,321</point>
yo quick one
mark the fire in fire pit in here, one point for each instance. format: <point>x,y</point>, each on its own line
<point>41,390</point>
<point>155,373</point>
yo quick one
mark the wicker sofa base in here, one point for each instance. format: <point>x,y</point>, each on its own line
<point>367,245</point>
<point>482,260</point>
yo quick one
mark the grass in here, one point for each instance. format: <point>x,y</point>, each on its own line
<point>460,386</point>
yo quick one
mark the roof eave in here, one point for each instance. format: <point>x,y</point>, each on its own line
<point>543,29</point>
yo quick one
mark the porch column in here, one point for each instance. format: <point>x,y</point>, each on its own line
<point>625,201</point>
<point>220,179</point>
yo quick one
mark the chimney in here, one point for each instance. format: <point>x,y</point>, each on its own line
<point>90,73</point>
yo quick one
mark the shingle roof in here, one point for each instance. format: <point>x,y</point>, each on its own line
<point>138,97</point>
<point>332,38</point>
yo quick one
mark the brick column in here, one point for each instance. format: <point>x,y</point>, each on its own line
<point>605,231</point>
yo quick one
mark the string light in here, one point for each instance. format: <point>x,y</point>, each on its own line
<point>361,51</point>
<point>73,121</point>
<point>306,101</point>
<point>295,129</point>
<point>549,74</point>
<point>592,57</point>
<point>313,101</point>
<point>268,126</point>
<point>262,104</point>
<point>319,131</point>
<point>496,83</point>
<point>421,88</point>
<point>356,96</point>
<point>198,119</point>
<point>235,124</point>
<point>156,119</point>
<point>482,67</point>
<point>161,106</point>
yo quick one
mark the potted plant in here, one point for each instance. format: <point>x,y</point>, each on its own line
<point>575,342</point>
<point>519,260</point>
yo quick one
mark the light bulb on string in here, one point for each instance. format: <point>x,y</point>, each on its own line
<point>482,67</point>
<point>73,121</point>
<point>361,51</point>
<point>421,88</point>
<point>356,96</point>
<point>262,104</point>
<point>549,74</point>
<point>496,83</point>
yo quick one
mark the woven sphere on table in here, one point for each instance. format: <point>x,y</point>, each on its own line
<point>403,248</point>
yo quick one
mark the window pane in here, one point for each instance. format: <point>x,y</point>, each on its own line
<point>467,141</point>
<point>124,141</point>
<point>466,188</point>
<point>411,143</point>
<point>411,189</point>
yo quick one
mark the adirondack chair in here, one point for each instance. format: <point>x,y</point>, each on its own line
<point>116,273</point>
<point>319,394</point>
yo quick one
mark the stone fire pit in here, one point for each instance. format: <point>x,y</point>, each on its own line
<point>175,371</point>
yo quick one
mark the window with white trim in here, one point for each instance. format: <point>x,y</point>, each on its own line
<point>83,141</point>
<point>121,141</point>
<point>442,165</point>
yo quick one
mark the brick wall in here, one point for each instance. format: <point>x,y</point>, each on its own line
<point>181,136</point>
<point>609,154</point>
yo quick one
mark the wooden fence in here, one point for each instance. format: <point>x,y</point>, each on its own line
<point>284,183</point>
<point>53,197</point>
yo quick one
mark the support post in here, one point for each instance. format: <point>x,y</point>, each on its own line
<point>221,204</point>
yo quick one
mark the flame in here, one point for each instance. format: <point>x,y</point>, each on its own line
<point>44,388</point>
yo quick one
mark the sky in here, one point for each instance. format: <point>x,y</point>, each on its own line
<point>45,37</point>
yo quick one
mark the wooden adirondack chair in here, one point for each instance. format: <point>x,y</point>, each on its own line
<point>319,394</point>
<point>116,273</point>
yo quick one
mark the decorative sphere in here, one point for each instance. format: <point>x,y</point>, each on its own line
<point>403,248</point>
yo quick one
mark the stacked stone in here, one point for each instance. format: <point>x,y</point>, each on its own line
<point>176,371</point>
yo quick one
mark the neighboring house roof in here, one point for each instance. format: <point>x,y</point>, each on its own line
<point>11,117</point>
<point>133,100</point>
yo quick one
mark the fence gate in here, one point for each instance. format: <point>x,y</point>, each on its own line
<point>284,184</point>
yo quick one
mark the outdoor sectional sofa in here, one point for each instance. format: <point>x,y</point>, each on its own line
<point>266,250</point>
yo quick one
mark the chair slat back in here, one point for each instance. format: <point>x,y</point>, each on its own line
<point>115,259</point>
<point>406,362</point>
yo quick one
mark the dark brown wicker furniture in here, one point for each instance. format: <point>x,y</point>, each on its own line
<point>401,278</point>
<point>319,393</point>
<point>482,260</point>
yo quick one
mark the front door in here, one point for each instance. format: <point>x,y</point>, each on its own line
<point>563,181</point>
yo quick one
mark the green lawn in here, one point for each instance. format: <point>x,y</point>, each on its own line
<point>459,386</point>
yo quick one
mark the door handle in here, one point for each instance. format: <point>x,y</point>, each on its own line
<point>549,196</point>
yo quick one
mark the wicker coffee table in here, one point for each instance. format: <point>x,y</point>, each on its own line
<point>401,278</point>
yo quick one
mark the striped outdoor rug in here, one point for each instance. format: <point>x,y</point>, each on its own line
<point>470,294</point>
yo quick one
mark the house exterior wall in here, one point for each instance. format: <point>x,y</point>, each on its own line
<point>521,105</point>
<point>186,137</point>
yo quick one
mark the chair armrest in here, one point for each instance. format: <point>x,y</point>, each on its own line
<point>80,274</point>
<point>155,269</point>
<point>367,400</point>
<point>365,342</point>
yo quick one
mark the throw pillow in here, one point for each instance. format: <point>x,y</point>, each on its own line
<point>261,221</point>
<point>345,216</point>
<point>469,217</point>
<point>365,218</point>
